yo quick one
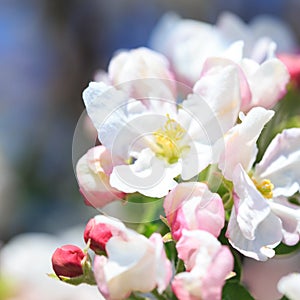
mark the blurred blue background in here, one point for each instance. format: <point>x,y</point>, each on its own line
<point>49,51</point>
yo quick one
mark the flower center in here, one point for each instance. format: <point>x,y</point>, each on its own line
<point>265,187</point>
<point>168,141</point>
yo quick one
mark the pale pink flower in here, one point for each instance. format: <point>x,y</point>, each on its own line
<point>257,87</point>
<point>128,69</point>
<point>190,206</point>
<point>208,263</point>
<point>261,218</point>
<point>159,144</point>
<point>93,172</point>
<point>133,263</point>
<point>267,82</point>
<point>182,42</point>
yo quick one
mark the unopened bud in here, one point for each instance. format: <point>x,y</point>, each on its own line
<point>68,260</point>
<point>98,234</point>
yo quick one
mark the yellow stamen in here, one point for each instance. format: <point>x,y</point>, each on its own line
<point>168,140</point>
<point>265,187</point>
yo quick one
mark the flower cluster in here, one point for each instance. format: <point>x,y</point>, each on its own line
<point>180,127</point>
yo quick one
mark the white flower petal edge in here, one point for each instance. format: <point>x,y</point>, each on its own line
<point>253,229</point>
<point>240,141</point>
<point>103,101</point>
<point>267,81</point>
<point>289,286</point>
<point>163,266</point>
<point>219,85</point>
<point>131,256</point>
<point>93,170</point>
<point>281,163</point>
<point>208,264</point>
<point>289,215</point>
<point>251,206</point>
<point>133,71</point>
<point>149,175</point>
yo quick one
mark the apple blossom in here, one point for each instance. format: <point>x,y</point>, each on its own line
<point>181,40</point>
<point>208,263</point>
<point>230,42</point>
<point>266,90</point>
<point>133,263</point>
<point>142,63</point>
<point>191,206</point>
<point>67,261</point>
<point>158,146</point>
<point>260,220</point>
<point>93,170</point>
<point>257,87</point>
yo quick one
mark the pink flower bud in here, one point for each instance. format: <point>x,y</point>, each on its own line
<point>292,62</point>
<point>67,261</point>
<point>98,234</point>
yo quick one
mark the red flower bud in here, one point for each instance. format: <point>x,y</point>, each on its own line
<point>98,234</point>
<point>67,261</point>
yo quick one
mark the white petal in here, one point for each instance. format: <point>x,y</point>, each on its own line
<point>267,236</point>
<point>252,208</point>
<point>127,261</point>
<point>183,44</point>
<point>148,175</point>
<point>163,266</point>
<point>268,82</point>
<point>201,121</point>
<point>219,86</point>
<point>102,101</point>
<point>197,159</point>
<point>240,141</point>
<point>281,163</point>
<point>290,217</point>
<point>142,73</point>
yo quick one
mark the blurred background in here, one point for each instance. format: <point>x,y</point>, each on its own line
<point>49,51</point>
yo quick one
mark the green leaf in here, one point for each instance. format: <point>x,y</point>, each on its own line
<point>233,290</point>
<point>283,249</point>
<point>284,298</point>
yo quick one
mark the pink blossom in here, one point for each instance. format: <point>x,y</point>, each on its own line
<point>133,263</point>
<point>191,205</point>
<point>93,172</point>
<point>208,263</point>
